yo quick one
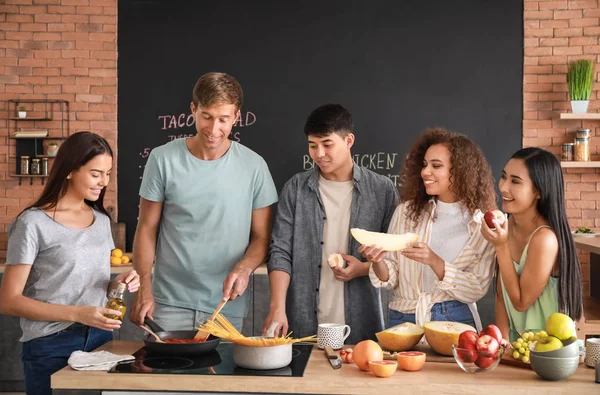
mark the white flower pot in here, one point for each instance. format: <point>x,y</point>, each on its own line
<point>579,106</point>
<point>22,114</point>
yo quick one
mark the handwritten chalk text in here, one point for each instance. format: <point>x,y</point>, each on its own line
<point>187,120</point>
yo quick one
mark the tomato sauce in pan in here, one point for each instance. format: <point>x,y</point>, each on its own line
<point>181,341</point>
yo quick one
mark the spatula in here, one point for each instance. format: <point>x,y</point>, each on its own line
<point>201,335</point>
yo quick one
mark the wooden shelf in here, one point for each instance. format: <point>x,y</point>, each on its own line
<point>28,175</point>
<point>37,156</point>
<point>46,118</point>
<point>574,164</point>
<point>591,116</point>
<point>33,138</point>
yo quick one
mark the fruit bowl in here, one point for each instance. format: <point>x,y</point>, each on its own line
<point>473,361</point>
<point>570,349</point>
<point>554,369</point>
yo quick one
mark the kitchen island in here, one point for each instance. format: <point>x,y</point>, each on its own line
<point>320,378</point>
<point>591,325</point>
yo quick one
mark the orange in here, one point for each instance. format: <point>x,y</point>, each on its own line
<point>117,253</point>
<point>125,259</point>
<point>411,360</point>
<point>365,351</point>
<point>383,368</point>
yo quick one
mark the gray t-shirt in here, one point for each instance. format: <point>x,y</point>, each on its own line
<point>69,266</point>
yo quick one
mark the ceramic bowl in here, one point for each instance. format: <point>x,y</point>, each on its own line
<point>554,369</point>
<point>570,349</point>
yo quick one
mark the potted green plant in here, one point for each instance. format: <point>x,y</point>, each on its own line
<point>580,78</point>
<point>22,112</point>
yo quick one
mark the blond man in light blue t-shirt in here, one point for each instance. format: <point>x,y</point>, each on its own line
<point>205,214</point>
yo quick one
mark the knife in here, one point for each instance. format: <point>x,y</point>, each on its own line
<point>333,358</point>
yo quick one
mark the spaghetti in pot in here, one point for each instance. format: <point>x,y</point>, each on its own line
<point>221,327</point>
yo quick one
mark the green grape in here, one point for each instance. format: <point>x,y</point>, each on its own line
<point>522,350</point>
<point>525,359</point>
<point>516,355</point>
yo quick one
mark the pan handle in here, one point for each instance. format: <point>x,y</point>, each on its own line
<point>153,325</point>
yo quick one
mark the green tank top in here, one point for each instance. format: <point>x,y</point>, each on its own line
<point>534,318</point>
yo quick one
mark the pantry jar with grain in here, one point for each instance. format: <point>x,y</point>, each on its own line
<point>582,149</point>
<point>567,152</point>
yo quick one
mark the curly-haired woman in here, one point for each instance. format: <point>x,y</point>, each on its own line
<point>446,184</point>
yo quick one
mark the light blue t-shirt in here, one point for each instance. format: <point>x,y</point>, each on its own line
<point>205,225</point>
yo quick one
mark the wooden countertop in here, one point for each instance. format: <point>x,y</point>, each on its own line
<point>262,269</point>
<point>591,244</point>
<point>320,378</point>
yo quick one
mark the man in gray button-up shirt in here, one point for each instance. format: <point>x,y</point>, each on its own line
<point>295,253</point>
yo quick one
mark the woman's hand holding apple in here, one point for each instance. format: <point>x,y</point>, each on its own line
<point>497,233</point>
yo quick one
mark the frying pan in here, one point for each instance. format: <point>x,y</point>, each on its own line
<point>153,347</point>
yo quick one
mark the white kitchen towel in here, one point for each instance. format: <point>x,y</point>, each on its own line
<point>96,360</point>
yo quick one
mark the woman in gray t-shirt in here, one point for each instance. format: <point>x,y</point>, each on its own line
<point>58,270</point>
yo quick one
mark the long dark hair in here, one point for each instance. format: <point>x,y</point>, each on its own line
<point>77,150</point>
<point>546,173</point>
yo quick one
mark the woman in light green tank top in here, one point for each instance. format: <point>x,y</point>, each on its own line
<point>539,271</point>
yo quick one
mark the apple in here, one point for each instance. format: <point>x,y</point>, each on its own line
<point>488,351</point>
<point>484,362</point>
<point>491,215</point>
<point>493,331</point>
<point>467,344</point>
<point>549,343</point>
<point>560,326</point>
<point>488,344</point>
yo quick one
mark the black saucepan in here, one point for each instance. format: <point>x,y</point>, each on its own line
<point>154,347</point>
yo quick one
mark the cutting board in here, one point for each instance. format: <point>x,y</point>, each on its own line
<point>117,229</point>
<point>507,359</point>
<point>432,356</point>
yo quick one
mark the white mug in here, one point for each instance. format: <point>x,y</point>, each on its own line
<point>592,351</point>
<point>332,335</point>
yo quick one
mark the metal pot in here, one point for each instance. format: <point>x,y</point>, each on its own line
<point>262,358</point>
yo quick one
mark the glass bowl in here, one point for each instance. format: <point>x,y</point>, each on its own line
<point>473,361</point>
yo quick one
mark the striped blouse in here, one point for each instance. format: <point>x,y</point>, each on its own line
<point>466,280</point>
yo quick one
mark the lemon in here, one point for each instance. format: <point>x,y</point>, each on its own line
<point>125,259</point>
<point>117,253</point>
<point>115,261</point>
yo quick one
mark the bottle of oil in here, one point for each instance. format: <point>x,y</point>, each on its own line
<point>116,302</point>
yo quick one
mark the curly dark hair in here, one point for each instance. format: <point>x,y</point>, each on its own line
<point>471,179</point>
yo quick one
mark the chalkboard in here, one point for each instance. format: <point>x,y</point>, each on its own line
<point>398,66</point>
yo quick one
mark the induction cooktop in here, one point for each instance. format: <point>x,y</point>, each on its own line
<point>218,362</point>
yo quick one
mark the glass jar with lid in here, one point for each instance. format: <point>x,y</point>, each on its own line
<point>582,149</point>
<point>567,152</point>
<point>35,167</point>
<point>25,165</point>
<point>584,133</point>
<point>44,168</point>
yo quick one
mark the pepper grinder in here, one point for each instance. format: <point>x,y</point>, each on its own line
<point>598,372</point>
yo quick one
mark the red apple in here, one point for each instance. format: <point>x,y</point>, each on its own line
<point>493,331</point>
<point>491,215</point>
<point>488,351</point>
<point>467,343</point>
<point>488,343</point>
<point>484,362</point>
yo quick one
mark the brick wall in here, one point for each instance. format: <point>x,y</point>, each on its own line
<point>56,49</point>
<point>557,32</point>
<point>66,49</point>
